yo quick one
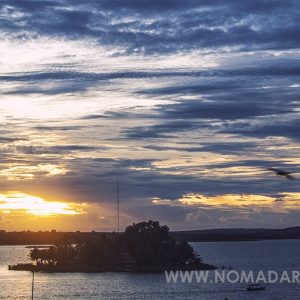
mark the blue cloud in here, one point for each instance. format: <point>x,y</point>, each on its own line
<point>263,25</point>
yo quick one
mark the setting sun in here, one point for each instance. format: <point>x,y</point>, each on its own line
<point>14,202</point>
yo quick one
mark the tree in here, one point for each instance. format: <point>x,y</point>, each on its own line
<point>150,244</point>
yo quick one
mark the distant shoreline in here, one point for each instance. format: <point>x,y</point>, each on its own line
<point>37,246</point>
<point>238,234</point>
<point>31,246</point>
<point>210,235</point>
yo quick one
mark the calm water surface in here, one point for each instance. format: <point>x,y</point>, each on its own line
<point>260,255</point>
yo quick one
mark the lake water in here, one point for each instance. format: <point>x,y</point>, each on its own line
<point>258,255</point>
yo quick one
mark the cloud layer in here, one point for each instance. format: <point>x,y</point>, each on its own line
<point>172,99</point>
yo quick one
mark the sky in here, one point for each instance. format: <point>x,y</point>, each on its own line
<point>185,103</point>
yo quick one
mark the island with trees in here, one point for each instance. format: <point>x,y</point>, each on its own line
<point>143,247</point>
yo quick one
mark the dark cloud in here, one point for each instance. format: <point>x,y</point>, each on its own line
<point>95,180</point>
<point>259,163</point>
<point>221,110</point>
<point>187,116</point>
<point>57,149</point>
<point>251,93</point>
<point>217,83</point>
<point>205,24</point>
<point>94,116</point>
<point>169,214</point>
<point>9,139</point>
<point>229,147</point>
<point>163,130</point>
<point>284,126</point>
<point>58,128</point>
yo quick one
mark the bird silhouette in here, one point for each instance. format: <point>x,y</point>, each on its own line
<point>282,173</point>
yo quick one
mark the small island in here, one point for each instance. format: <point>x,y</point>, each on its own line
<point>143,247</point>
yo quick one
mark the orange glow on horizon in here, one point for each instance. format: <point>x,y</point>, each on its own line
<point>284,201</point>
<point>16,202</point>
<point>227,200</point>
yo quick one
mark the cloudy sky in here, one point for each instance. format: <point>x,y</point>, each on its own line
<point>186,103</point>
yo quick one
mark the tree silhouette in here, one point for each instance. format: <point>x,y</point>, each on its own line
<point>145,246</point>
<point>150,244</point>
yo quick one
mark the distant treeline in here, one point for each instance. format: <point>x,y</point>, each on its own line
<point>218,235</point>
<point>211,235</point>
<point>46,237</point>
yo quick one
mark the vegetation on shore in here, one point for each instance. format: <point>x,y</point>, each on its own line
<point>53,237</point>
<point>143,247</point>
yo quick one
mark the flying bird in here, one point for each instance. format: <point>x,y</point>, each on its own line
<point>282,173</point>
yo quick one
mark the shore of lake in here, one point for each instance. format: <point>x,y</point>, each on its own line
<point>78,268</point>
